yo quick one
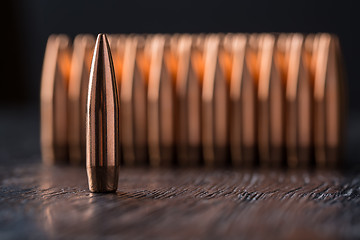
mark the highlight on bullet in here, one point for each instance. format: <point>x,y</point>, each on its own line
<point>53,98</point>
<point>102,133</point>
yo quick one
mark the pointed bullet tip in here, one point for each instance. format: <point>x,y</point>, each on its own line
<point>101,36</point>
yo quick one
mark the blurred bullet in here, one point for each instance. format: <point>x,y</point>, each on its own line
<point>270,105</point>
<point>78,92</point>
<point>188,104</point>
<point>282,54</point>
<point>133,105</point>
<point>329,99</point>
<point>215,100</point>
<point>102,133</point>
<point>242,106</point>
<point>212,97</point>
<point>54,87</point>
<point>160,106</point>
<point>117,46</point>
<point>298,106</point>
<point>308,57</point>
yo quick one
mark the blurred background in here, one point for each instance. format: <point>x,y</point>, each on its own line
<point>26,25</point>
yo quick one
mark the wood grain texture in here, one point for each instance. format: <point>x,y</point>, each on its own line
<point>54,202</point>
<point>42,202</point>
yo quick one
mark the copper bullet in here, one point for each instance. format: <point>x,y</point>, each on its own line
<point>54,87</point>
<point>102,133</point>
<point>270,105</point>
<point>188,99</point>
<point>160,106</point>
<point>214,106</point>
<point>133,104</point>
<point>298,106</point>
<point>242,105</point>
<point>78,91</point>
<point>328,105</point>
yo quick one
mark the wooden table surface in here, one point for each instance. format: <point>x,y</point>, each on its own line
<point>38,201</point>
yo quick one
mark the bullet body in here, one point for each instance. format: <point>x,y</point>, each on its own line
<point>102,133</point>
<point>188,106</point>
<point>270,105</point>
<point>215,100</point>
<point>242,106</point>
<point>54,112</point>
<point>133,106</point>
<point>78,92</point>
<point>160,107</point>
<point>328,102</point>
<point>298,107</point>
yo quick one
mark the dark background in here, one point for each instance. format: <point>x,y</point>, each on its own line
<point>26,25</point>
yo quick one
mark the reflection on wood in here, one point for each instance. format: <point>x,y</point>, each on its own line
<point>54,202</point>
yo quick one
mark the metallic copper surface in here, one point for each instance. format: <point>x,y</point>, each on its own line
<point>215,99</point>
<point>160,106</point>
<point>239,99</point>
<point>188,105</point>
<point>298,106</point>
<point>328,97</point>
<point>242,106</point>
<point>308,56</point>
<point>270,106</point>
<point>78,91</point>
<point>133,113</point>
<point>102,133</point>
<point>282,54</point>
<point>54,112</point>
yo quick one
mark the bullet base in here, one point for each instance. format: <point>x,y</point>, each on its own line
<point>103,179</point>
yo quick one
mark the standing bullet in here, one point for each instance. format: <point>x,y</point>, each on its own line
<point>54,84</point>
<point>102,133</point>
